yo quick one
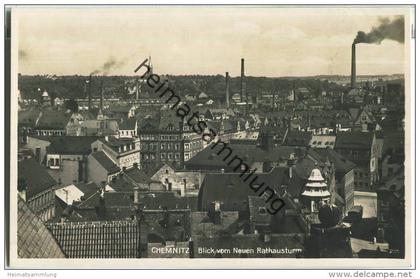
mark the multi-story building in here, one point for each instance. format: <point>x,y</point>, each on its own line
<point>124,152</point>
<point>364,150</point>
<point>162,141</point>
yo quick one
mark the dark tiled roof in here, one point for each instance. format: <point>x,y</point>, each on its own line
<point>128,124</point>
<point>105,162</point>
<point>169,200</point>
<point>35,176</point>
<point>341,164</point>
<point>298,138</point>
<point>53,120</point>
<point>232,192</point>
<point>34,239</point>
<point>257,217</point>
<point>208,158</point>
<point>201,224</point>
<point>114,239</point>
<point>71,145</point>
<point>28,117</point>
<point>359,140</point>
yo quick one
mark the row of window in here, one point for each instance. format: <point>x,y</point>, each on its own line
<point>125,147</point>
<point>161,137</point>
<point>193,145</point>
<point>170,156</point>
<point>51,133</point>
<point>169,146</point>
<point>127,133</point>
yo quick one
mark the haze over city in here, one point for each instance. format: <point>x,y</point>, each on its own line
<point>274,41</point>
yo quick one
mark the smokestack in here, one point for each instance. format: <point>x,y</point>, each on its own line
<point>227,90</point>
<point>101,104</point>
<point>242,79</point>
<point>90,93</point>
<point>353,65</point>
<point>137,90</point>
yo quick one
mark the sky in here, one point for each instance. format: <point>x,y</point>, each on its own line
<point>274,41</point>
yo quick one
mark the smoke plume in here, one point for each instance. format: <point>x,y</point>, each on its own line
<point>107,67</point>
<point>387,29</point>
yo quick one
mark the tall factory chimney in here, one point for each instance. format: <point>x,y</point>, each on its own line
<point>227,90</point>
<point>353,65</point>
<point>101,104</point>
<point>137,89</point>
<point>242,79</point>
<point>90,93</point>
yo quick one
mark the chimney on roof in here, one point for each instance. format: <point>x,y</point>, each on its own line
<point>227,90</point>
<point>290,163</point>
<point>266,237</point>
<point>215,212</point>
<point>191,247</point>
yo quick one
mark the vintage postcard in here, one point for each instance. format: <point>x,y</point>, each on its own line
<point>185,136</point>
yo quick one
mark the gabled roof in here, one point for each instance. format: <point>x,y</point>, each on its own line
<point>53,120</point>
<point>34,240</point>
<point>209,158</point>
<point>105,162</point>
<point>341,164</point>
<point>28,117</point>
<point>233,192</point>
<point>297,138</point>
<point>71,145</point>
<point>35,176</point>
<point>360,140</point>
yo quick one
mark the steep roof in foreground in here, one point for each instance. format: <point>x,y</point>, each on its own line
<point>34,239</point>
<point>112,239</point>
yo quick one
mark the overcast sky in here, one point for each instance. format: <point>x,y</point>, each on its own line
<point>275,41</point>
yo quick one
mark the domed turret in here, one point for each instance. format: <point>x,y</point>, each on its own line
<point>315,191</point>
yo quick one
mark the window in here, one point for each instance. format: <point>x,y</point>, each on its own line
<point>170,156</point>
<point>162,146</point>
<point>163,155</point>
